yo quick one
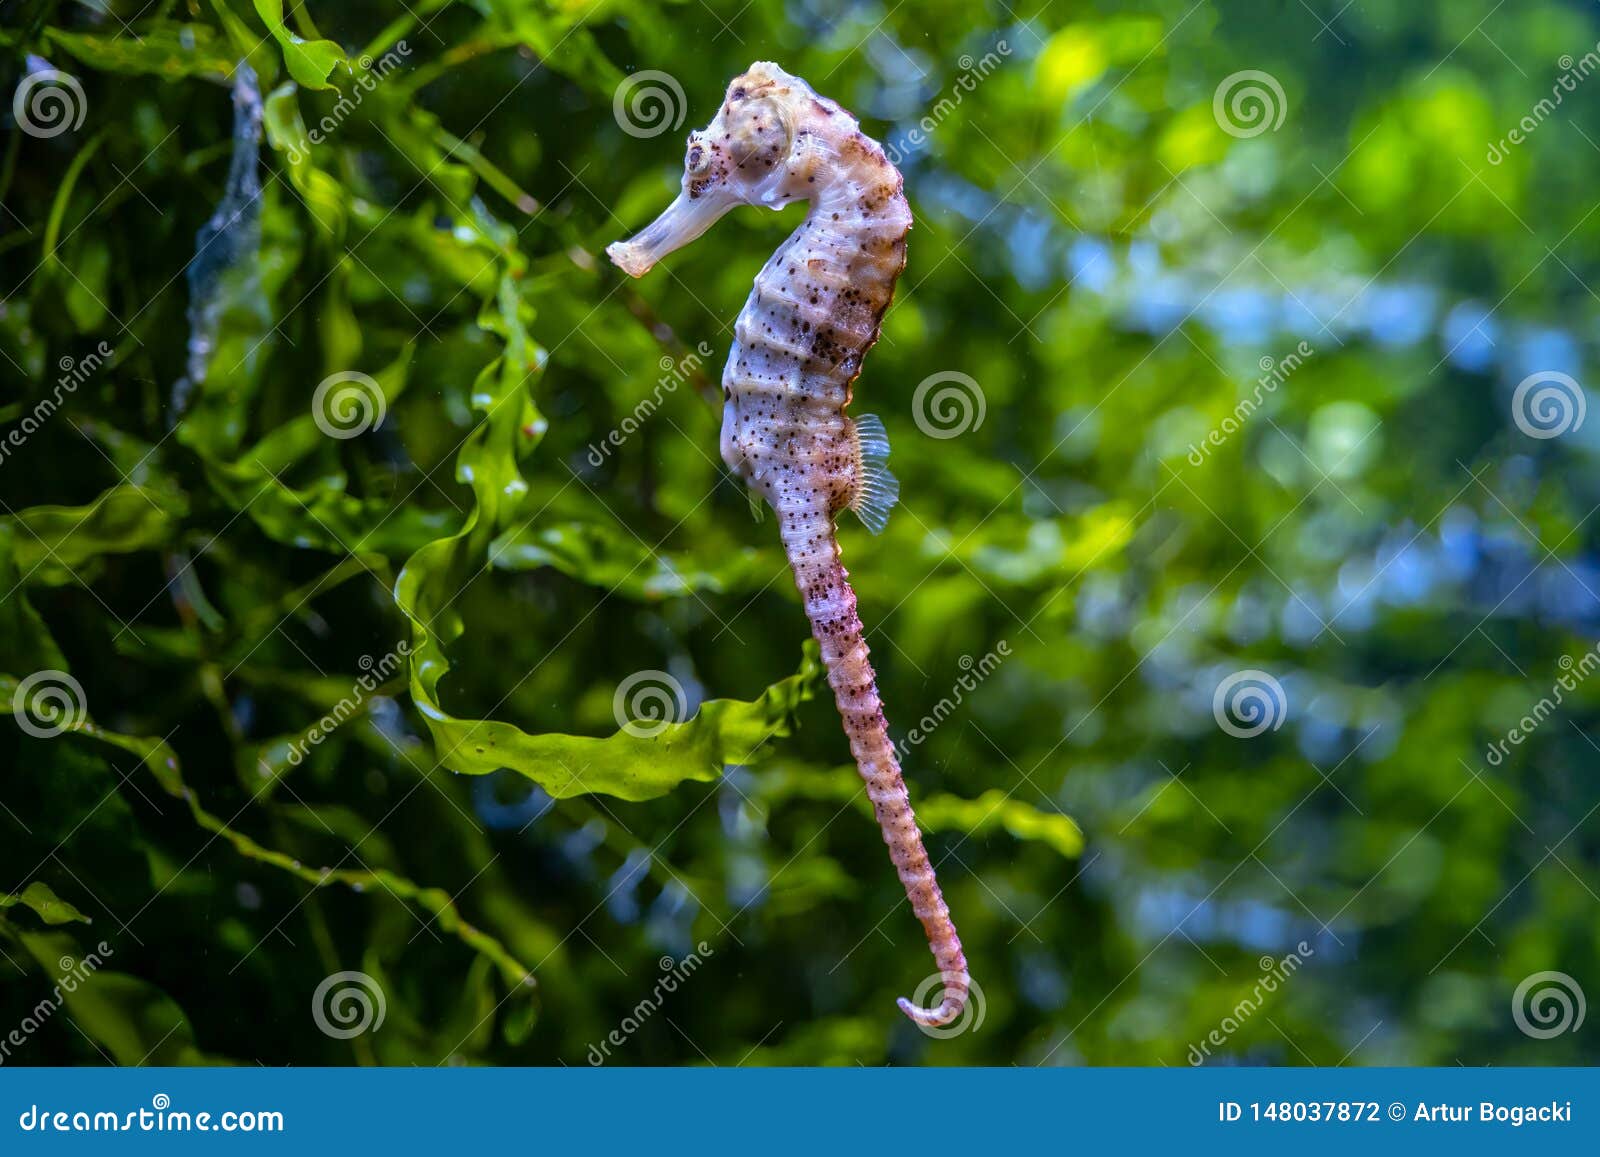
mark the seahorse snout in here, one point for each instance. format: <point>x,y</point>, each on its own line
<point>629,259</point>
<point>683,221</point>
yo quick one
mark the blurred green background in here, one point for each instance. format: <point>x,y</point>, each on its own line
<point>1119,238</point>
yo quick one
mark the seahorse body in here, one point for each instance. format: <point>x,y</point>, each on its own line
<point>815,311</point>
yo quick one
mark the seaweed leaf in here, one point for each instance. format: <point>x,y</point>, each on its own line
<point>321,514</point>
<point>309,61</point>
<point>603,557</point>
<point>324,197</point>
<point>170,50</point>
<point>56,543</point>
<point>162,763</point>
<point>133,1019</point>
<point>45,904</point>
<point>993,810</point>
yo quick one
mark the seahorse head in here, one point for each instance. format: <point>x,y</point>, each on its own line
<point>762,148</point>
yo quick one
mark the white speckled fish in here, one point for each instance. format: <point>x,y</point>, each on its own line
<point>798,345</point>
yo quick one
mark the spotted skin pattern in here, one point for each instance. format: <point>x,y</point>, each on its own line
<point>815,311</point>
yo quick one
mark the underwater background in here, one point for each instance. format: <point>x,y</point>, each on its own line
<point>396,676</point>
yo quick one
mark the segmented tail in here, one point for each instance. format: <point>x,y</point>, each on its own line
<point>813,550</point>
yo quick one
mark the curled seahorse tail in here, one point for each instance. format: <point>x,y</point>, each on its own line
<point>948,1009</point>
<point>813,550</point>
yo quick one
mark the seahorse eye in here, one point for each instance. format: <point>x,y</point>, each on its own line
<point>697,160</point>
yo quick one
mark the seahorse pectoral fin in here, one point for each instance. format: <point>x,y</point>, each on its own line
<point>758,505</point>
<point>875,490</point>
<point>681,222</point>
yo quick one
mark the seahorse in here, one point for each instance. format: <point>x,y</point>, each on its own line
<point>816,309</point>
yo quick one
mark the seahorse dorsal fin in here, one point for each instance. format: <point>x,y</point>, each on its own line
<point>876,490</point>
